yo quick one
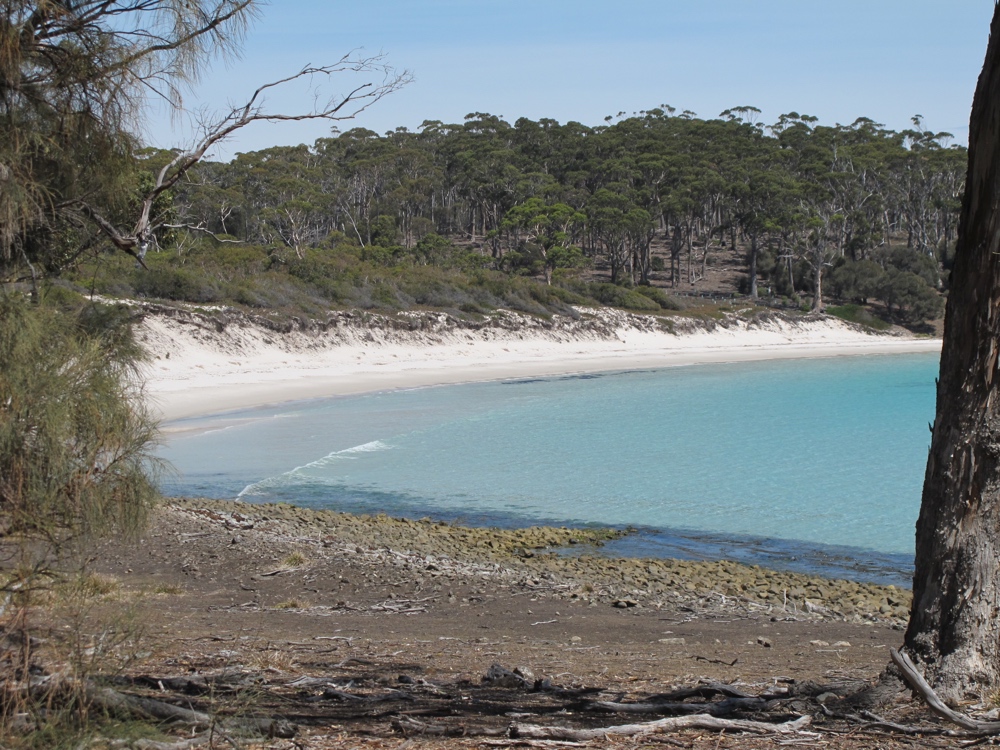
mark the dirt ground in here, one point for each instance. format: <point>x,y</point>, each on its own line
<point>364,638</point>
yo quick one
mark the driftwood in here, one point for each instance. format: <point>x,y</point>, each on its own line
<point>126,705</point>
<point>407,725</point>
<point>722,708</point>
<point>701,691</point>
<point>916,681</point>
<point>134,706</point>
<point>660,726</point>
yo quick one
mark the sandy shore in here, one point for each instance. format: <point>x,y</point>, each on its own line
<point>207,364</point>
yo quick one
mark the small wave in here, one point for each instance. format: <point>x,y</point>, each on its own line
<point>372,447</point>
<point>296,476</point>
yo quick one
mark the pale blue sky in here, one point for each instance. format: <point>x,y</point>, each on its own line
<point>585,59</point>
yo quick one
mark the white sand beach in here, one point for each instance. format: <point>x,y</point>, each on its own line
<point>206,365</point>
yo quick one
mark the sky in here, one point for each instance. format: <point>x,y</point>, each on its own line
<point>584,60</point>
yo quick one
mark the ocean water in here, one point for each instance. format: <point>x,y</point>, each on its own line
<point>813,465</point>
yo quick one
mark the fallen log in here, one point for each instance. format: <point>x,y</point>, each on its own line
<point>134,706</point>
<point>516,731</point>
<point>112,702</point>
<point>722,708</point>
<point>660,726</point>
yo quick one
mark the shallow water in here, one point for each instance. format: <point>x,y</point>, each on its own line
<point>813,465</point>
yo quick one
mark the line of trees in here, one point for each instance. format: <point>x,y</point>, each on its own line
<point>858,211</point>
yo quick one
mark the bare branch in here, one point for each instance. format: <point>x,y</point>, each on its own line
<point>203,230</point>
<point>335,109</point>
<point>129,244</point>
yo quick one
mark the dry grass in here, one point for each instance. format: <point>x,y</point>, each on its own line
<point>295,560</point>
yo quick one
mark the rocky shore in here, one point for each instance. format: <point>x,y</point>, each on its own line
<point>366,630</point>
<point>566,561</point>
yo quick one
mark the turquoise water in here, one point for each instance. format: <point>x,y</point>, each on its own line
<point>807,464</point>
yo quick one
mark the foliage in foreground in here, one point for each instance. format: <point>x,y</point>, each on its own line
<point>75,463</point>
<point>75,437</point>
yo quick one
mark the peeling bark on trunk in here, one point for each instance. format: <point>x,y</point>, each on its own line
<point>955,621</point>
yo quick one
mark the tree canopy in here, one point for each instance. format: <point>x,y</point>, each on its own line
<point>74,81</point>
<point>848,212</point>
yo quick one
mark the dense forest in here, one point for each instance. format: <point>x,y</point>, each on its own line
<point>540,215</point>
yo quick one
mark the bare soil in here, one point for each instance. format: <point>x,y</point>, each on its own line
<point>348,626</point>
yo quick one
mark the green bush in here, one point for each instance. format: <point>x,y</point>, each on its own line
<point>178,284</point>
<point>909,297</point>
<point>857,314</point>
<point>660,297</point>
<point>618,296</point>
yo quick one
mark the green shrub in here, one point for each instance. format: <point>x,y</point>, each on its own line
<point>176,284</point>
<point>660,297</point>
<point>618,296</point>
<point>858,314</point>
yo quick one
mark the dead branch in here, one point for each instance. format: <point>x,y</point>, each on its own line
<point>126,705</point>
<point>408,725</point>
<point>701,691</point>
<point>133,706</point>
<point>867,720</point>
<point>722,708</point>
<point>336,109</point>
<point>920,686</point>
<point>660,726</point>
<point>202,229</point>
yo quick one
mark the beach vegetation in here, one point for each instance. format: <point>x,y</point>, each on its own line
<point>855,313</point>
<point>642,214</point>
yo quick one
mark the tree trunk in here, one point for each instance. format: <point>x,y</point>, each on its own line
<point>753,266</point>
<point>956,586</point>
<point>690,249</point>
<point>675,256</point>
<point>817,305</point>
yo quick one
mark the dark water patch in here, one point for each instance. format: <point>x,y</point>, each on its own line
<point>829,561</point>
<point>566,378</point>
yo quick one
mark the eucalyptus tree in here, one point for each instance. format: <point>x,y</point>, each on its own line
<point>413,181</point>
<point>954,620</point>
<point>488,175</point>
<point>362,159</point>
<point>211,200</point>
<point>546,228</point>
